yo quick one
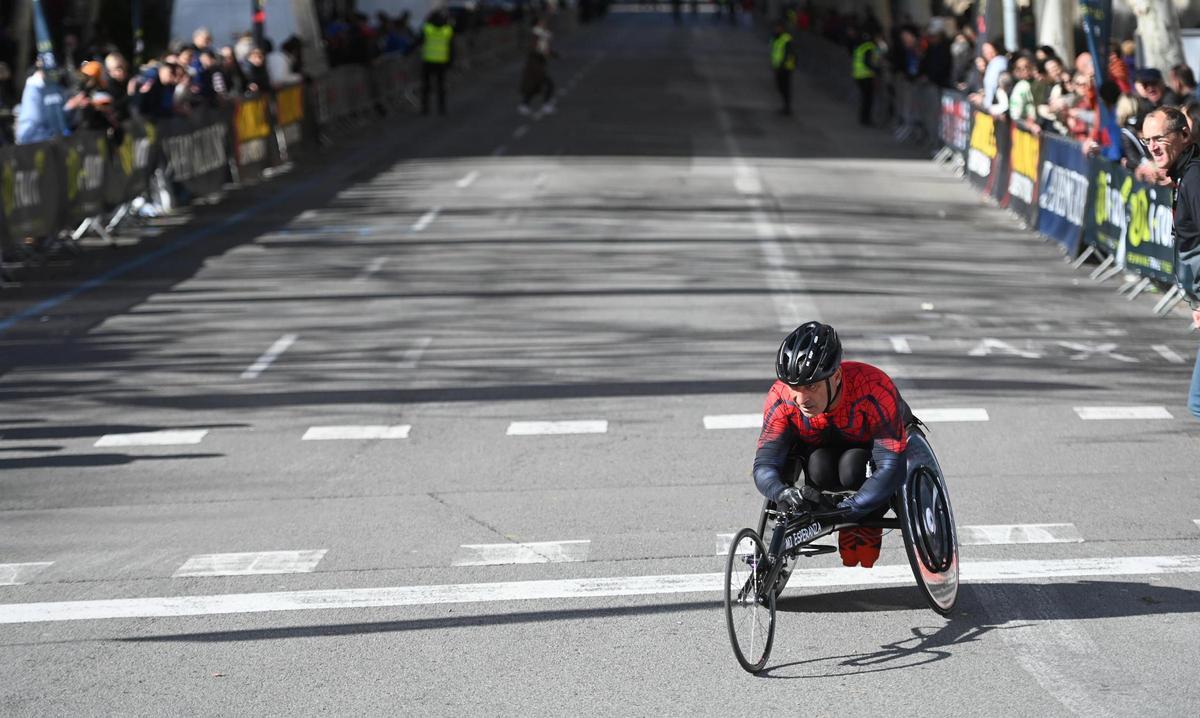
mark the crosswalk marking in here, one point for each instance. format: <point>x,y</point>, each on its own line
<point>250,564</point>
<point>16,574</point>
<point>332,433</point>
<point>944,415</point>
<point>499,554</point>
<point>1018,533</point>
<point>733,421</point>
<point>1100,413</point>
<point>578,588</point>
<point>1168,353</point>
<point>538,428</point>
<point>166,437</point>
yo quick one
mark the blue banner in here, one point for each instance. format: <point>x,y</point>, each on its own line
<point>1097,23</point>
<point>45,45</point>
<point>1063,192</point>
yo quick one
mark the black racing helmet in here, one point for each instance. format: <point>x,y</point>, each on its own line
<point>812,352</point>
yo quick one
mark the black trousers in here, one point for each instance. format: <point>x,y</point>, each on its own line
<point>829,468</point>
<point>783,81</point>
<point>433,72</point>
<point>866,99</point>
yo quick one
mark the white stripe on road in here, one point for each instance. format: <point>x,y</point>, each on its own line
<point>501,554</point>
<point>1018,533</point>
<point>944,415</point>
<point>269,356</point>
<point>16,574</point>
<point>733,421</point>
<point>167,437</point>
<point>900,345</point>
<point>1099,413</point>
<point>467,181</point>
<point>579,588</point>
<point>537,428</point>
<point>426,219</point>
<point>1197,522</point>
<point>375,265</point>
<point>351,433</point>
<point>250,564</point>
<point>1168,353</point>
<point>413,355</point>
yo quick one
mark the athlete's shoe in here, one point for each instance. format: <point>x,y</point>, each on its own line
<point>870,541</point>
<point>848,546</point>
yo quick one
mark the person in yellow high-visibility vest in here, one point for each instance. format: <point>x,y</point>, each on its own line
<point>783,62</point>
<point>864,61</point>
<point>437,50</point>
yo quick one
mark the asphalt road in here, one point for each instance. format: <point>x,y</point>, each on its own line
<point>358,508</point>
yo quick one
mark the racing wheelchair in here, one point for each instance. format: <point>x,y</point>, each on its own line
<point>756,573</point>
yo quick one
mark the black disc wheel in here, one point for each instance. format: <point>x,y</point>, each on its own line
<point>930,538</point>
<point>749,606</point>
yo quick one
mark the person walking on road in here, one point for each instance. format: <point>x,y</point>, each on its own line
<point>535,78</point>
<point>1172,147</point>
<point>783,62</point>
<point>864,63</point>
<point>437,37</point>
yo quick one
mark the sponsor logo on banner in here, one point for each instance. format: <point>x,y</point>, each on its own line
<point>1064,192</point>
<point>198,152</point>
<point>1063,196</point>
<point>85,172</point>
<point>290,104</point>
<point>1022,181</point>
<point>22,189</point>
<point>983,145</point>
<point>956,115</point>
<point>251,120</point>
<point>1134,221</point>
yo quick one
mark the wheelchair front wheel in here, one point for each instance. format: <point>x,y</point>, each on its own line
<point>930,539</point>
<point>749,604</point>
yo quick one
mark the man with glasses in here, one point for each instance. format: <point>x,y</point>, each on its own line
<point>1166,135</point>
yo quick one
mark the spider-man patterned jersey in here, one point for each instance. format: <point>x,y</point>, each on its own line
<point>870,410</point>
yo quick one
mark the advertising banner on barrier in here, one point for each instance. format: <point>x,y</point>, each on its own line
<point>31,189</point>
<point>1062,192</point>
<point>981,153</point>
<point>85,160</point>
<point>954,129</point>
<point>252,136</point>
<point>1022,195</point>
<point>1131,219</point>
<point>196,150</point>
<point>132,164</point>
<point>289,118</point>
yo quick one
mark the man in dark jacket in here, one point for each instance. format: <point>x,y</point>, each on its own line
<point>1165,133</point>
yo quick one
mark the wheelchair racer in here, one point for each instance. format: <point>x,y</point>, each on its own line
<point>841,423</point>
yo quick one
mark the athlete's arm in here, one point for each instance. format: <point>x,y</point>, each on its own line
<point>879,487</point>
<point>774,444</point>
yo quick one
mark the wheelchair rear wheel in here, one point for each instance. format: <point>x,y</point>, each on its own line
<point>930,539</point>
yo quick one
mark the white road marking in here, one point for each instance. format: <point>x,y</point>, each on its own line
<point>1168,353</point>
<point>578,588</point>
<point>375,265</point>
<point>1018,533</point>
<point>501,554</point>
<point>426,219</point>
<point>538,428</point>
<point>945,415</point>
<point>250,564</point>
<point>1197,522</point>
<point>412,356</point>
<point>16,574</point>
<point>900,345</point>
<point>1099,413</point>
<point>468,180</point>
<point>520,132</point>
<point>357,433</point>
<point>269,356</point>
<point>166,437</point>
<point>733,421</point>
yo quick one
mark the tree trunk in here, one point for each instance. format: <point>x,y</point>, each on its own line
<point>1158,30</point>
<point>1056,27</point>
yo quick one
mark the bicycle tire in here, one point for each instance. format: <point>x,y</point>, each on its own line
<point>749,611</point>
<point>930,538</point>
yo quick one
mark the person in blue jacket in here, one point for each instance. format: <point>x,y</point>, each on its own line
<point>41,115</point>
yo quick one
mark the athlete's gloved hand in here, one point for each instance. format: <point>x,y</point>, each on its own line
<point>790,499</point>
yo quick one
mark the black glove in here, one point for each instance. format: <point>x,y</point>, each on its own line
<point>790,499</point>
<point>813,495</point>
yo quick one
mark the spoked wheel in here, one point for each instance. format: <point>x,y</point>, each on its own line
<point>930,538</point>
<point>749,607</point>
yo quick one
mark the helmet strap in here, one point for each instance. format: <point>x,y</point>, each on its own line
<point>832,396</point>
